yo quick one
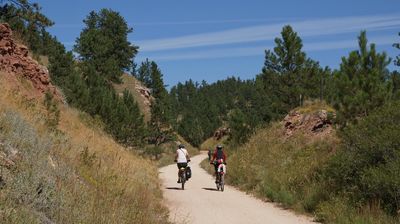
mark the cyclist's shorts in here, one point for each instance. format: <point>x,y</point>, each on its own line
<point>181,165</point>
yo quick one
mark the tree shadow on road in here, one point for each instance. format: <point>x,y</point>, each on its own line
<point>209,189</point>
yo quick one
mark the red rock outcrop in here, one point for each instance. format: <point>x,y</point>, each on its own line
<point>16,62</point>
<point>314,124</point>
<point>218,134</point>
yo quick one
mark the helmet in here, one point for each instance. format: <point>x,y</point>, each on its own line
<point>219,146</point>
<point>181,146</point>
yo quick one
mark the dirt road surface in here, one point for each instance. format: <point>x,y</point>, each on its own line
<point>201,203</point>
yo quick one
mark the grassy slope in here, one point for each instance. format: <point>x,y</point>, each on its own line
<point>211,143</point>
<point>129,82</point>
<point>83,176</point>
<point>287,171</point>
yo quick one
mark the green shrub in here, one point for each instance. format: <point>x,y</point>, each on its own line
<point>367,167</point>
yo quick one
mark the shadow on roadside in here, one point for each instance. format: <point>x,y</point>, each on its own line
<point>209,189</point>
<point>173,188</point>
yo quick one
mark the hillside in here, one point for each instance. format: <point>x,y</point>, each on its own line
<point>57,164</point>
<point>290,162</point>
<point>219,138</point>
<point>140,93</point>
<point>280,163</point>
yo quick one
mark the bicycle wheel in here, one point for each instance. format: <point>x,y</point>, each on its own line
<point>218,179</point>
<point>222,182</point>
<point>183,180</point>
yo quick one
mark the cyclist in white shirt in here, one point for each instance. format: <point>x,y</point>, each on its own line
<point>181,158</point>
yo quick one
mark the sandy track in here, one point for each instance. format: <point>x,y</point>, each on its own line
<point>200,203</point>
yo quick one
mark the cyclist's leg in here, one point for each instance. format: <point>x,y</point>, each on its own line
<point>179,171</point>
<point>180,165</point>
<point>216,171</point>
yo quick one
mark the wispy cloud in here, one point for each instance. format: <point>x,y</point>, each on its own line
<point>177,23</point>
<point>259,50</point>
<point>305,28</point>
<point>194,22</point>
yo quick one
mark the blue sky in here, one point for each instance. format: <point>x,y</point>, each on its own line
<point>212,40</point>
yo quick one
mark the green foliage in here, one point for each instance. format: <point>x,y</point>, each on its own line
<point>199,110</point>
<point>367,166</point>
<point>104,44</point>
<point>26,19</point>
<point>397,61</point>
<point>105,53</point>
<point>240,129</point>
<point>154,152</point>
<point>395,84</point>
<point>360,83</point>
<point>143,74</point>
<point>288,76</point>
<point>126,122</point>
<point>161,114</point>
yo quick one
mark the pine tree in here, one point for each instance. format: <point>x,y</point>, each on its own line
<point>144,73</point>
<point>288,76</point>
<point>397,60</point>
<point>240,129</point>
<point>160,121</point>
<point>395,84</point>
<point>360,83</point>
<point>128,123</point>
<point>104,44</point>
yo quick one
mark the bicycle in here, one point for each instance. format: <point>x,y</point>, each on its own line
<point>221,177</point>
<point>184,175</point>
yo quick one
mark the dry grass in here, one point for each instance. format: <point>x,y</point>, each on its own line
<point>89,177</point>
<point>211,143</point>
<point>314,106</point>
<point>129,82</point>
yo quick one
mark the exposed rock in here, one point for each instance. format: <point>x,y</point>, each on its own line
<point>317,123</point>
<point>16,62</point>
<point>218,134</point>
<point>145,93</point>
